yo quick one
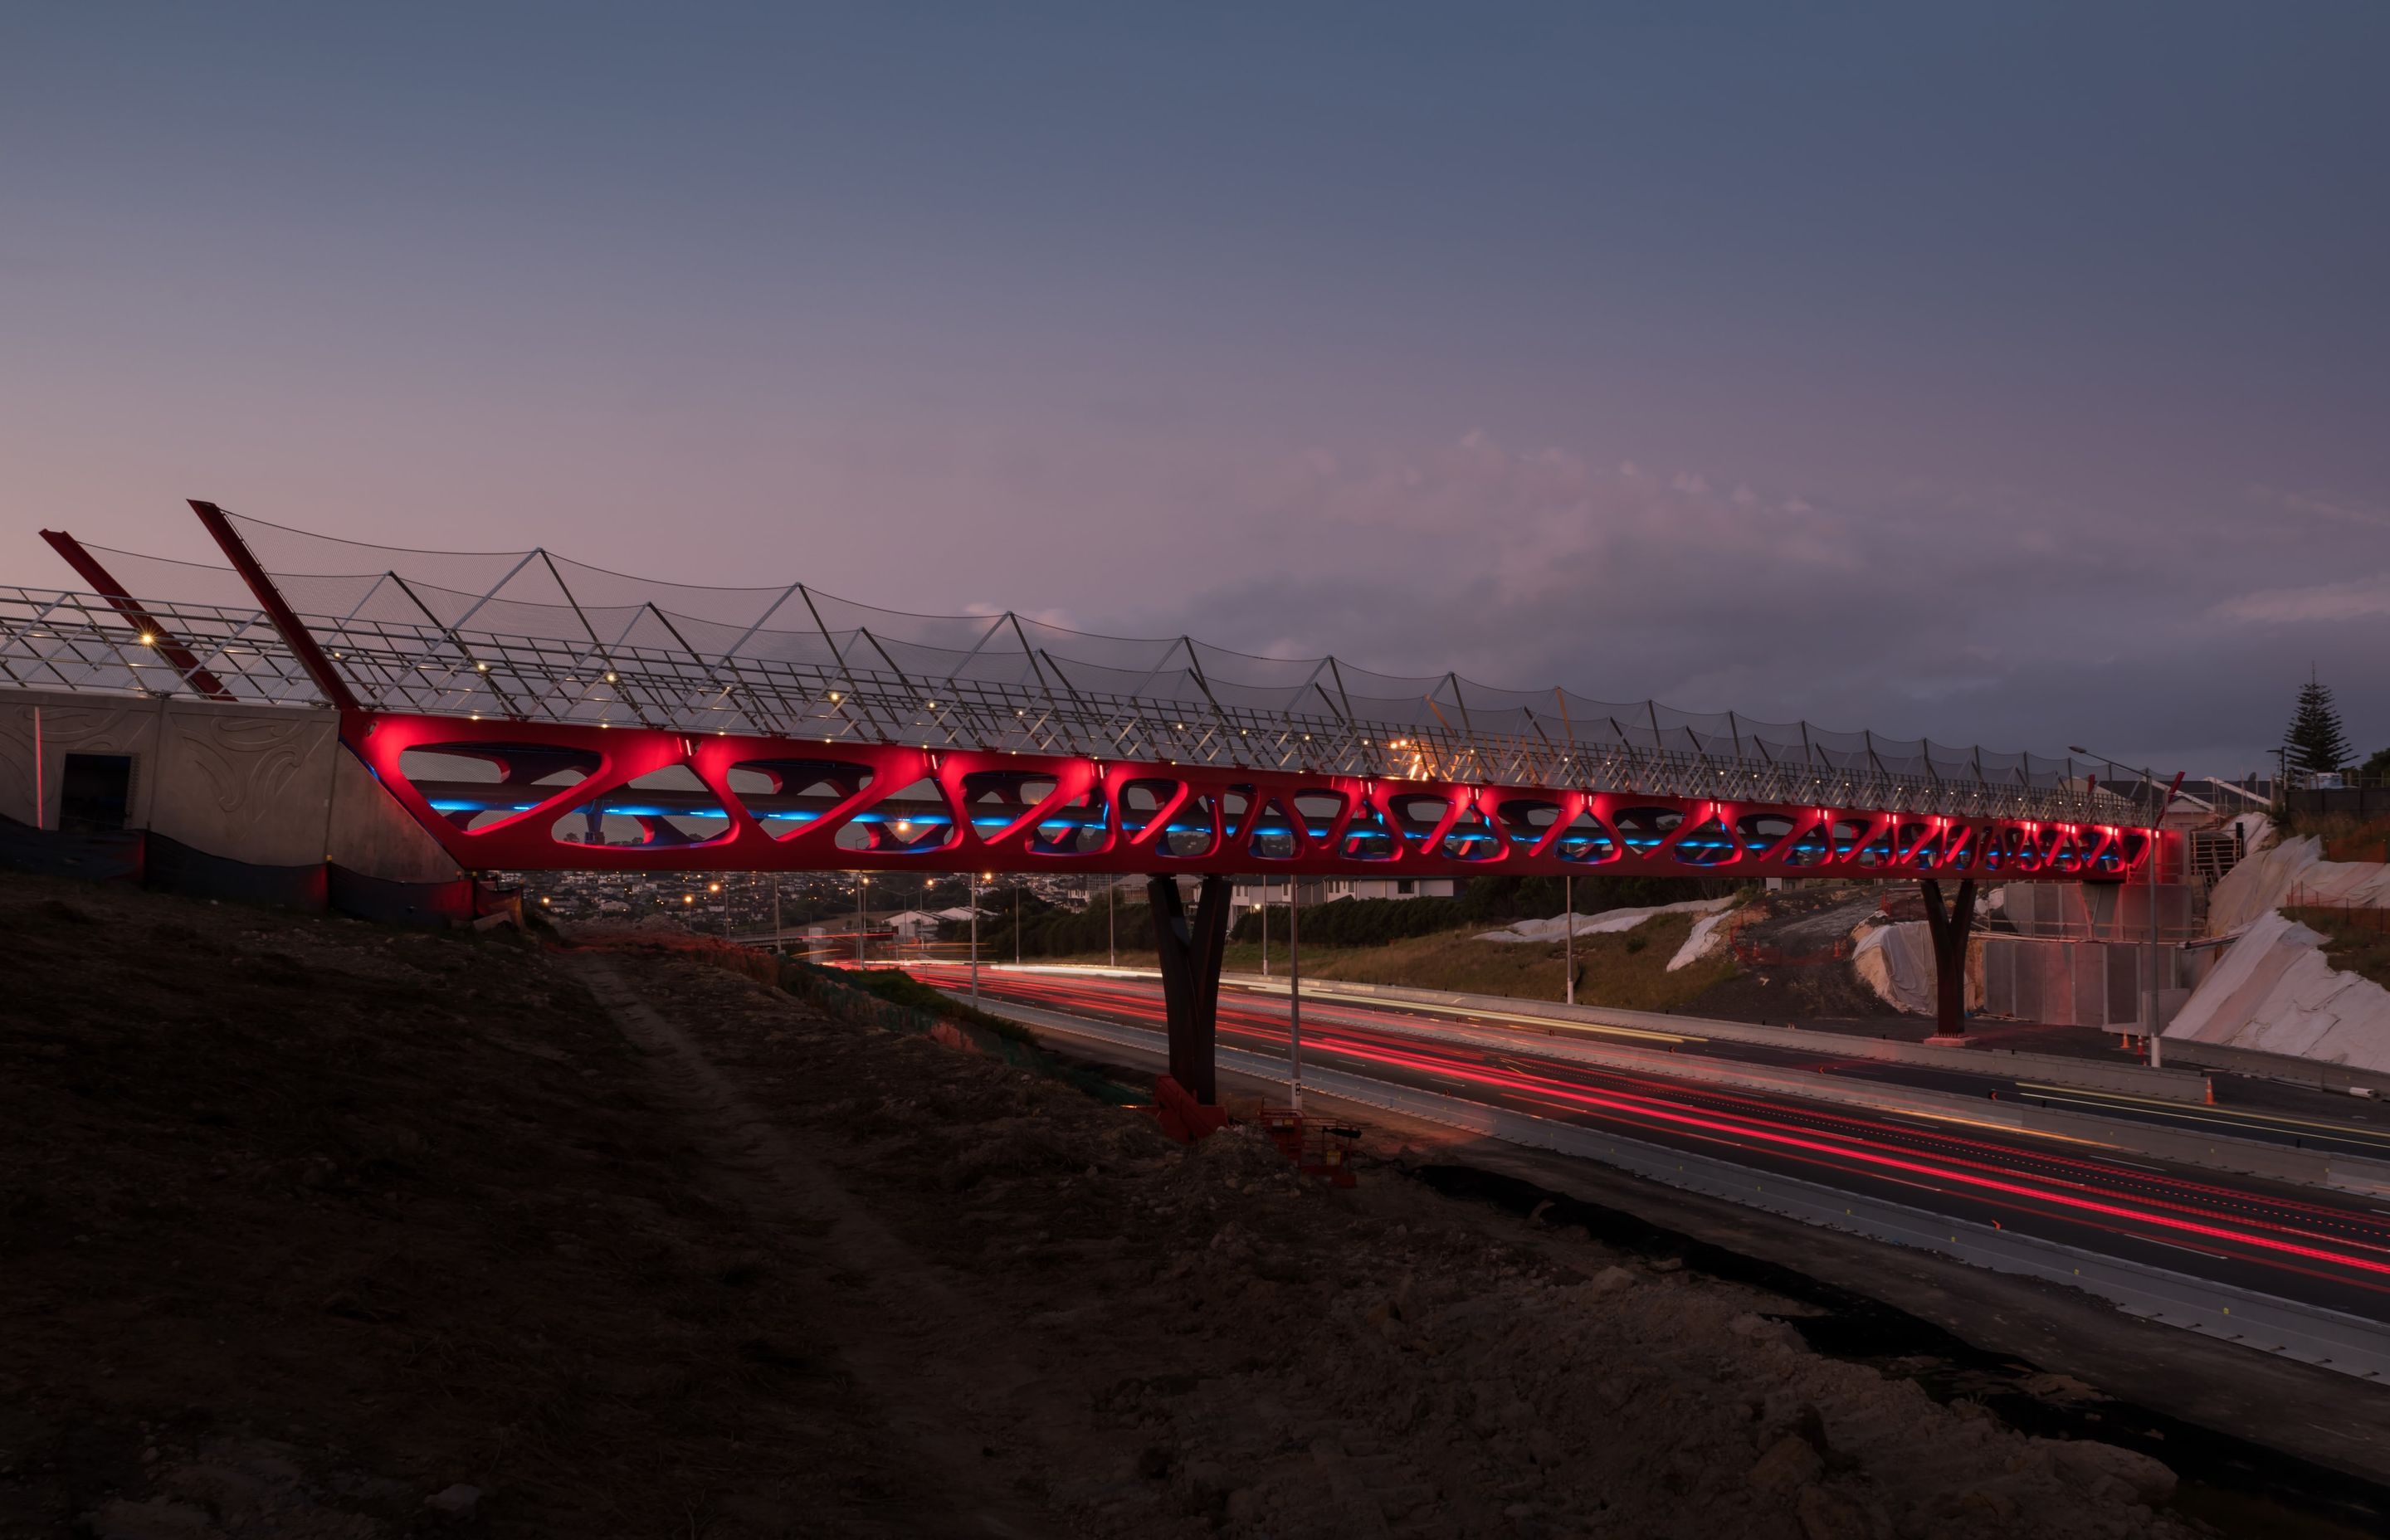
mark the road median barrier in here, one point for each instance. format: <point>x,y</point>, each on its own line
<point>2345,1343</point>
<point>2184,1086</point>
<point>2121,1135</point>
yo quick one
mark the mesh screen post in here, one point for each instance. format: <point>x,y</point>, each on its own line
<point>294,635</point>
<point>153,632</point>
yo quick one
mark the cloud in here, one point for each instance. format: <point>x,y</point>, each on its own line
<point>1525,568</point>
<point>2360,598</point>
<point>2340,510</point>
<point>1999,614</point>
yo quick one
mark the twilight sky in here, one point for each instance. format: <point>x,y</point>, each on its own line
<point>2013,374</point>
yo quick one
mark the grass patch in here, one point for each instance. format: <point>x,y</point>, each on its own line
<point>1627,970</point>
<point>2355,941</point>
<point>2344,836</point>
<point>900,988</point>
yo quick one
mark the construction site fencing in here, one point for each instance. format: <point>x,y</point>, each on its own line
<point>2331,909</point>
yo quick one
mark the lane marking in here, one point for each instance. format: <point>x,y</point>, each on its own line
<point>2229,1116</point>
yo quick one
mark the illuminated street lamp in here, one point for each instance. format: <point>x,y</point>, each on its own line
<point>1264,906</point>
<point>1294,998</point>
<point>1568,959</point>
<point>862,879</point>
<point>976,877</point>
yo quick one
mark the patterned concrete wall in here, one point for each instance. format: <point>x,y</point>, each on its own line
<point>250,785</point>
<point>270,787</point>
<point>71,724</point>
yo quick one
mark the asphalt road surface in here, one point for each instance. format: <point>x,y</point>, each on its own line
<point>2319,1247</point>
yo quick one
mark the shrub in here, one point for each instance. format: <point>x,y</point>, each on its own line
<point>812,981</point>
<point>1052,932</point>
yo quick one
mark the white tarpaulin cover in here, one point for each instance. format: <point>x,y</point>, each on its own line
<point>1709,935</point>
<point>2273,992</point>
<point>1896,961</point>
<point>1608,922</point>
<point>2265,879</point>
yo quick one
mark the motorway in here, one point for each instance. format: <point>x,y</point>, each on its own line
<point>2316,1246</point>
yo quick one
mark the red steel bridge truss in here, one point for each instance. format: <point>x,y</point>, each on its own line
<point>508,795</point>
<point>535,715</point>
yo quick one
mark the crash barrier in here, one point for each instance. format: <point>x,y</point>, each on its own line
<point>2291,1071</point>
<point>2345,1343</point>
<point>2137,1080</point>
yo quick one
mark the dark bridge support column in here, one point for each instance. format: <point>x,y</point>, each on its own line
<point>1949,929</point>
<point>1191,948</point>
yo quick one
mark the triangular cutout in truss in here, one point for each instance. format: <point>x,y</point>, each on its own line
<point>1644,829</point>
<point>1368,837</point>
<point>1473,837</point>
<point>1079,827</point>
<point>913,821</point>
<point>1587,839</point>
<point>1708,843</point>
<point>790,796</point>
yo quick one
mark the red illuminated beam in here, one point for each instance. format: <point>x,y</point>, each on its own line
<point>153,632</point>
<point>286,621</point>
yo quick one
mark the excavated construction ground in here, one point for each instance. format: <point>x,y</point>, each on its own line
<point>308,1228</point>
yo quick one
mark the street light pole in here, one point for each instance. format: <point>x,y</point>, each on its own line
<point>861,880</point>
<point>1293,998</point>
<point>1016,922</point>
<point>1111,919</point>
<point>2157,1055</point>
<point>1568,900</point>
<point>1265,907</point>
<point>974,909</point>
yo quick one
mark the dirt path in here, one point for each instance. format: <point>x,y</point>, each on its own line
<point>939,1372</point>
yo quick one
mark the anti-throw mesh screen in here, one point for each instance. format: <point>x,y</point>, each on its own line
<point>530,634</point>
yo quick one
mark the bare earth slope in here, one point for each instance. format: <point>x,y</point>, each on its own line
<point>302,1224</point>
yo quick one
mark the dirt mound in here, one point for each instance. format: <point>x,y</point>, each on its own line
<point>304,1223</point>
<point>1261,1356</point>
<point>314,1229</point>
<point>1793,947</point>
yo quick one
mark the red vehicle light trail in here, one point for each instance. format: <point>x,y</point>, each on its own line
<point>2295,1242</point>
